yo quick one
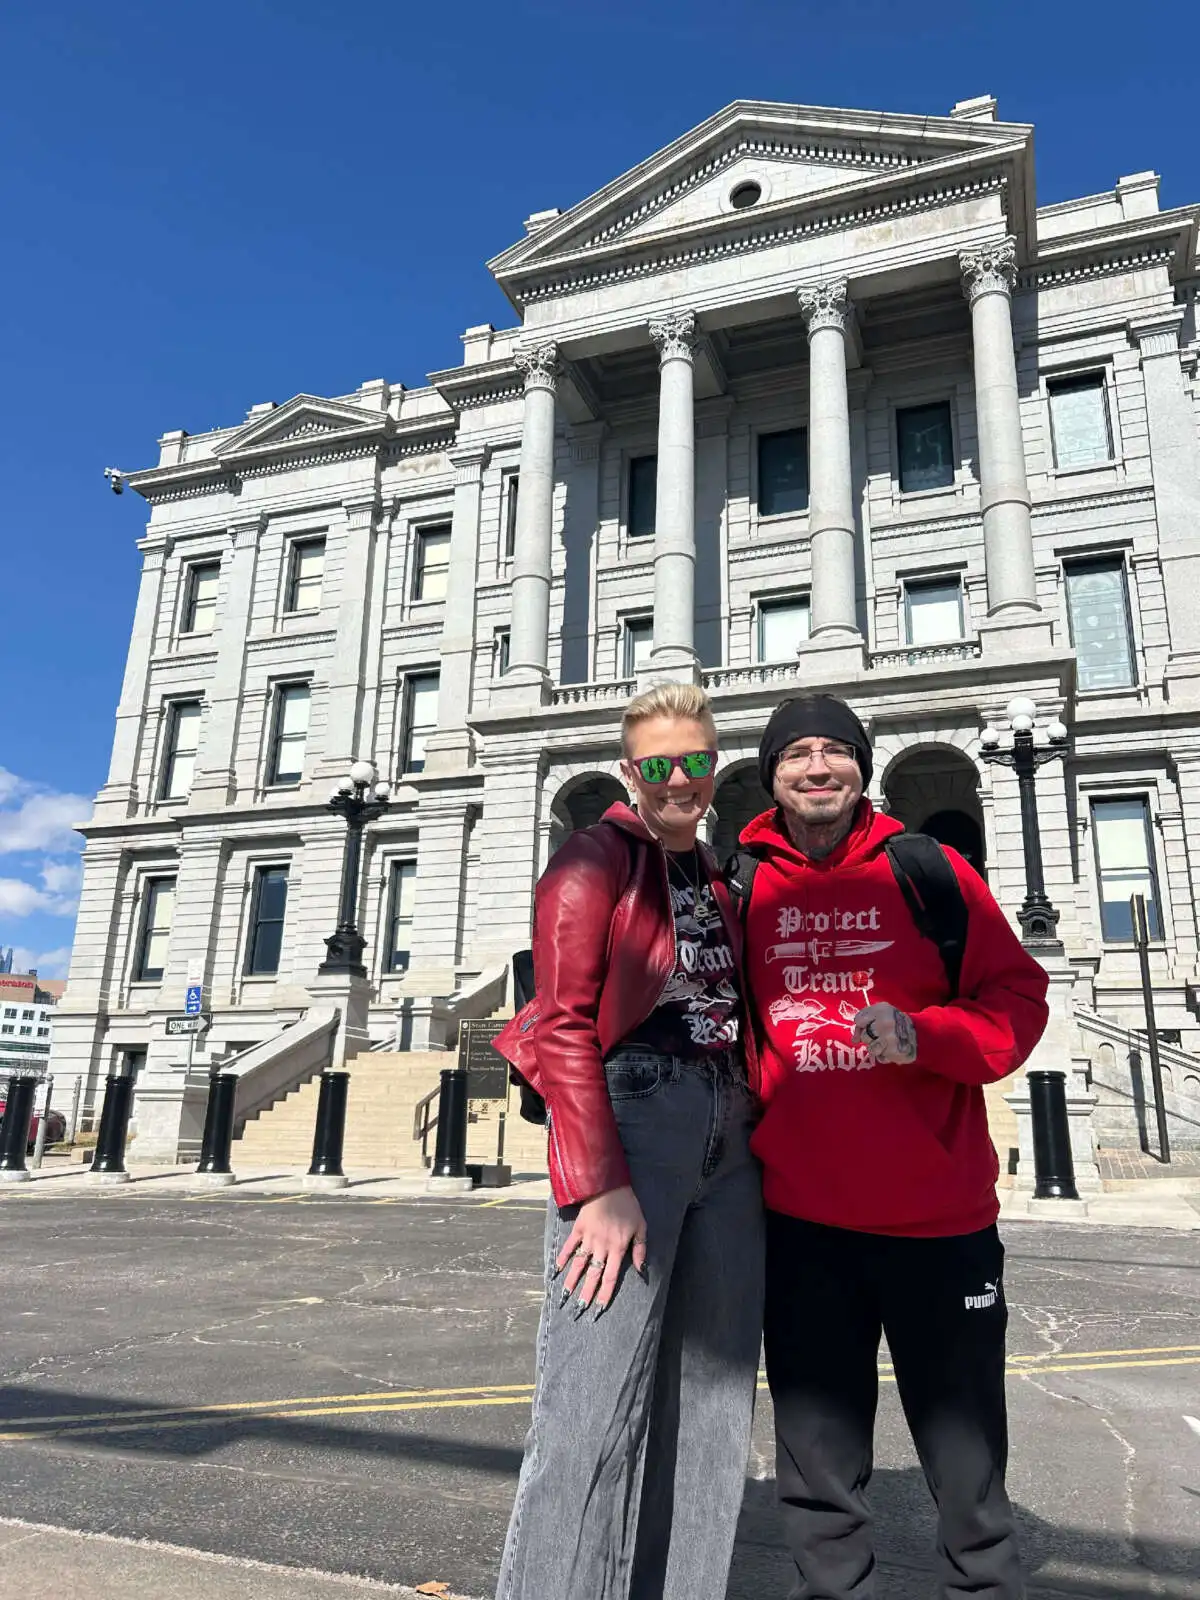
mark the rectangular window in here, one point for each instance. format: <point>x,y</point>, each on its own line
<point>925,447</point>
<point>43,1033</point>
<point>783,625</point>
<point>306,573</point>
<point>10,1011</point>
<point>266,921</point>
<point>158,908</point>
<point>290,734</point>
<point>501,648</point>
<point>200,602</point>
<point>636,644</point>
<point>24,1032</point>
<point>643,492</point>
<point>512,488</point>
<point>420,718</point>
<point>183,740</point>
<point>1079,423</point>
<point>402,893</point>
<point>1101,629</point>
<point>933,611</point>
<point>6,1028</point>
<point>782,472</point>
<point>1124,866</point>
<point>433,563</point>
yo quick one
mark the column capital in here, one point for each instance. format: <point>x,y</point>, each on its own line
<point>675,336</point>
<point>991,269</point>
<point>362,509</point>
<point>469,461</point>
<point>1158,335</point>
<point>244,531</point>
<point>826,305</point>
<point>540,364</point>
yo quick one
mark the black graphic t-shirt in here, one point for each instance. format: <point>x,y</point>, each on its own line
<point>699,1010</point>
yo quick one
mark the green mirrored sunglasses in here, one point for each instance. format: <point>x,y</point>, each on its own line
<point>696,764</point>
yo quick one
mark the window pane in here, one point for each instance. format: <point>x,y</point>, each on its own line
<point>291,733</point>
<point>783,626</point>
<point>404,893</point>
<point>638,643</point>
<point>926,447</point>
<point>184,738</point>
<point>156,927</point>
<point>270,906</point>
<point>421,719</point>
<point>503,646</point>
<point>1125,865</point>
<point>308,571</point>
<point>643,488</point>
<point>512,489</point>
<point>1098,610</point>
<point>200,613</point>
<point>1079,422</point>
<point>433,558</point>
<point>782,472</point>
<point>934,613</point>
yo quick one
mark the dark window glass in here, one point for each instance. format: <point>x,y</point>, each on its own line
<point>643,488</point>
<point>511,491</point>
<point>200,609</point>
<point>1125,866</point>
<point>266,923</point>
<point>158,908</point>
<point>782,472</point>
<point>503,646</point>
<point>926,447</point>
<point>746,194</point>
<point>1079,422</point>
<point>1098,611</point>
<point>402,899</point>
<point>638,643</point>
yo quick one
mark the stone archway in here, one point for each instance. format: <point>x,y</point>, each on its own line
<point>934,789</point>
<point>582,803</point>
<point>739,797</point>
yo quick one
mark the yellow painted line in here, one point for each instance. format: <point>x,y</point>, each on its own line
<point>1090,1355</point>
<point>486,1205</point>
<point>1109,1366</point>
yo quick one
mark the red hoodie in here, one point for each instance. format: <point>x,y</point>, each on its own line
<point>845,1141</point>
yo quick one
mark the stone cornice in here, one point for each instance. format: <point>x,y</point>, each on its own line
<point>822,214</point>
<point>464,387</point>
<point>1165,238</point>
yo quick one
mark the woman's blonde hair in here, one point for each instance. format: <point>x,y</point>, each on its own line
<point>685,701</point>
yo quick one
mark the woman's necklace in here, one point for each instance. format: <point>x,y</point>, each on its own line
<point>701,909</point>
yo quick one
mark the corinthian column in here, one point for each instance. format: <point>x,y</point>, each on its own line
<point>674,653</point>
<point>529,643</point>
<point>987,277</point>
<point>827,313</point>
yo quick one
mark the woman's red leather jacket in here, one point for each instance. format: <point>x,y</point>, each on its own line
<point>603,949</point>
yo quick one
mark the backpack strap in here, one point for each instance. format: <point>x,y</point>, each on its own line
<point>739,879</point>
<point>934,897</point>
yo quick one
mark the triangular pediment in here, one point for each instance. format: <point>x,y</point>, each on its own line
<point>304,420</point>
<point>798,156</point>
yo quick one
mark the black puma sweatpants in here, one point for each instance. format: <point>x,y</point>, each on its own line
<point>831,1293</point>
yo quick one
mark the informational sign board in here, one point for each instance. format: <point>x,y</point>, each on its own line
<point>194,1003</point>
<point>487,1073</point>
<point>188,1024</point>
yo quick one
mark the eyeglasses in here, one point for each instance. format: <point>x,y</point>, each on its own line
<point>836,755</point>
<point>696,764</point>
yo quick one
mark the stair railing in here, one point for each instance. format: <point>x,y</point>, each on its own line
<point>425,1122</point>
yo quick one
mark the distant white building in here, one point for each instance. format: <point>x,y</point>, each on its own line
<point>26,1025</point>
<point>810,397</point>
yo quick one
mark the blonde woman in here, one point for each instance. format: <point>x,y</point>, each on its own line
<point>648,1346</point>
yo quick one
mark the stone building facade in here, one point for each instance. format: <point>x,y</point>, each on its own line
<point>810,397</point>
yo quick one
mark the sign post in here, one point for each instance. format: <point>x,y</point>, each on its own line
<point>1141,938</point>
<point>487,1079</point>
<point>193,1005</point>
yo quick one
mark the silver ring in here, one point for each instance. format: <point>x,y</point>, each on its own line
<point>581,1253</point>
<point>598,1262</point>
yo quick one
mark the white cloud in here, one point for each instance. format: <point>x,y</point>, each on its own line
<point>63,877</point>
<point>42,821</point>
<point>10,785</point>
<point>46,963</point>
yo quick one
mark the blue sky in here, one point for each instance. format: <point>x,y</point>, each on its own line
<point>210,207</point>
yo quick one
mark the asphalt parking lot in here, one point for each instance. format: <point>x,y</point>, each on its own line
<point>332,1384</point>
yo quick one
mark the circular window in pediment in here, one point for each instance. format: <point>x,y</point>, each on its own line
<point>745,195</point>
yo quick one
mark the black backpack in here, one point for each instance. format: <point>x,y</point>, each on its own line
<point>926,880</point>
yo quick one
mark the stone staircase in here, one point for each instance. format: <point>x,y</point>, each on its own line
<point>384,1092</point>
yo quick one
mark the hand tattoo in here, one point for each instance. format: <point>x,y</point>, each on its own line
<point>906,1037</point>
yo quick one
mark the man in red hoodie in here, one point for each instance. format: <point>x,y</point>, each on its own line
<point>879,1174</point>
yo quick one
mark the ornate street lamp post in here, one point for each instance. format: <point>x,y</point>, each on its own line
<point>1038,918</point>
<point>360,798</point>
<point>1053,1162</point>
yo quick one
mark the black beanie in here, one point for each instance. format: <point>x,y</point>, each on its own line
<point>811,715</point>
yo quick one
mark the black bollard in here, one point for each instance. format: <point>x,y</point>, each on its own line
<point>1053,1166</point>
<point>109,1159</point>
<point>14,1130</point>
<point>218,1125</point>
<point>331,1126</point>
<point>450,1151</point>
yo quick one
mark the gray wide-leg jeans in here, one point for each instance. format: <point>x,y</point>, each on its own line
<point>635,1460</point>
